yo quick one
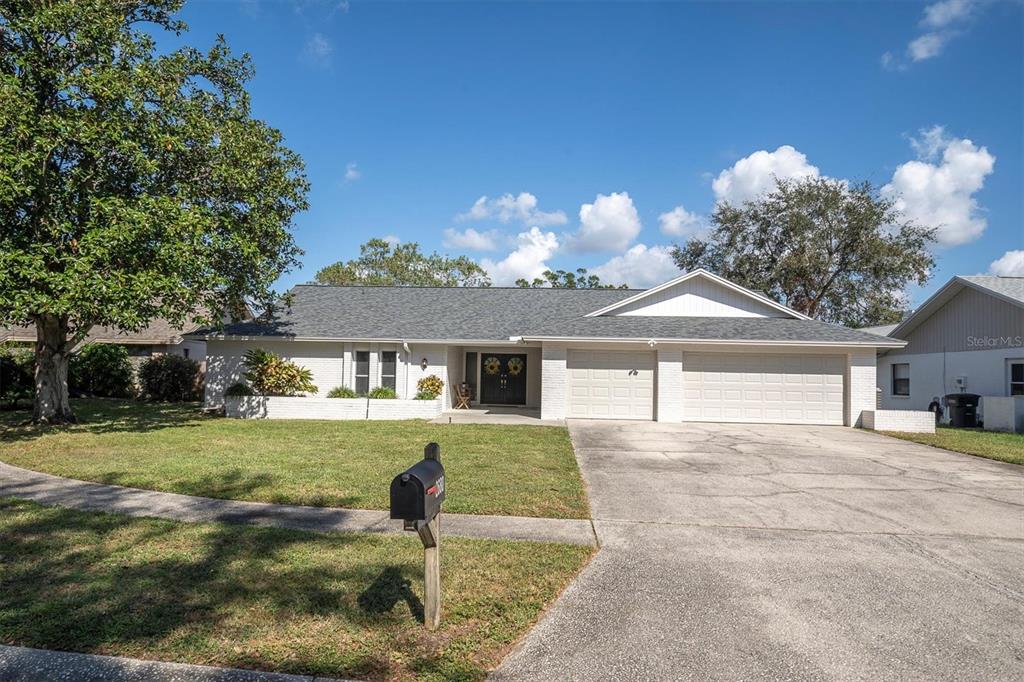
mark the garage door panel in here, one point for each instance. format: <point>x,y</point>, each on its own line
<point>611,384</point>
<point>801,389</point>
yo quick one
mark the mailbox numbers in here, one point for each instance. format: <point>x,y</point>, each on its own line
<point>437,488</point>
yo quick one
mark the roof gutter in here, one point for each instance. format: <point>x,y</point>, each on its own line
<point>891,343</point>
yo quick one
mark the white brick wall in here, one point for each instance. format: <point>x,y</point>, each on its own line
<point>259,407</point>
<point>1003,414</point>
<point>669,390</point>
<point>860,386</point>
<point>908,421</point>
<point>553,382</point>
<point>437,364</point>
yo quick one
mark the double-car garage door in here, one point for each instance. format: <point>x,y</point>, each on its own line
<point>717,387</point>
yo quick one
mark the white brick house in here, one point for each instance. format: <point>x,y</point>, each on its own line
<point>697,348</point>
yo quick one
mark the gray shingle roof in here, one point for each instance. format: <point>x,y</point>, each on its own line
<point>407,313</point>
<point>880,330</point>
<point>1010,287</point>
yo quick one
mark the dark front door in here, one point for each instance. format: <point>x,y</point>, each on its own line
<point>502,379</point>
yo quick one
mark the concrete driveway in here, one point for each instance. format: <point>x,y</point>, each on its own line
<point>786,552</point>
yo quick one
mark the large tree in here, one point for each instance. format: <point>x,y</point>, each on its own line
<point>133,184</point>
<point>566,279</point>
<point>835,252</point>
<point>387,263</point>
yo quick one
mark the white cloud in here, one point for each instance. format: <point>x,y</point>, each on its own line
<point>640,267</point>
<point>508,207</point>
<point>611,223</point>
<point>527,261</point>
<point>680,223</point>
<point>941,22</point>
<point>391,239</point>
<point>471,239</point>
<point>756,174</point>
<point>1010,264</point>
<point>352,172</point>
<point>318,49</point>
<point>927,46</point>
<point>937,189</point>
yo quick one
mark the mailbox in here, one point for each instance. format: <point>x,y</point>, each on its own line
<point>417,493</point>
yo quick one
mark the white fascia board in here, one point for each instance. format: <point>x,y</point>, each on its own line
<point>891,343</point>
<point>699,272</point>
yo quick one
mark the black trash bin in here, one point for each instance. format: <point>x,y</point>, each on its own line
<point>963,409</point>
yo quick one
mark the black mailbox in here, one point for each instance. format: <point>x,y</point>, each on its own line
<point>417,493</point>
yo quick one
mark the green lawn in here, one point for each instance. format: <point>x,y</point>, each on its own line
<point>489,469</point>
<point>346,605</point>
<point>1005,447</point>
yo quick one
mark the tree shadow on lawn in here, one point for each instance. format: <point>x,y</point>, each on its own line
<point>222,595</point>
<point>102,416</point>
<point>233,484</point>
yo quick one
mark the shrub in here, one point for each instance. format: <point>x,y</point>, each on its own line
<point>342,392</point>
<point>169,377</point>
<point>17,373</point>
<point>425,395</point>
<point>432,385</point>
<point>238,389</point>
<point>101,369</point>
<point>382,393</point>
<point>270,374</point>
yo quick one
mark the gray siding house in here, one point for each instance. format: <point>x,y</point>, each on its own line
<point>968,337</point>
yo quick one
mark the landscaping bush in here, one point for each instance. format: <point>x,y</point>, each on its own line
<point>101,369</point>
<point>425,395</point>
<point>383,393</point>
<point>270,374</point>
<point>238,389</point>
<point>17,374</point>
<point>169,378</point>
<point>342,392</point>
<point>432,385</point>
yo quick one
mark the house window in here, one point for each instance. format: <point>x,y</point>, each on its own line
<point>1017,378</point>
<point>388,362</point>
<point>901,379</point>
<point>362,372</point>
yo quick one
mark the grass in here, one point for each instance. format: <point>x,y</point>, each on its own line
<point>489,468</point>
<point>320,604</point>
<point>1005,447</point>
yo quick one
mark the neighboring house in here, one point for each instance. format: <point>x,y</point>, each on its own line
<point>159,338</point>
<point>697,348</point>
<point>968,337</point>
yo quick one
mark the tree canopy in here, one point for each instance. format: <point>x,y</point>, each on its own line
<point>387,263</point>
<point>565,279</point>
<point>133,184</point>
<point>835,252</point>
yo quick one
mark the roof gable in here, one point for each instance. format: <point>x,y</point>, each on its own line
<point>1007,289</point>
<point>698,293</point>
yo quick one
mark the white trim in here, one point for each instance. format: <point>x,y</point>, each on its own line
<point>699,272</point>
<point>730,342</point>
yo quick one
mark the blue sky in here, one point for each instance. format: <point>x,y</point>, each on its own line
<point>602,133</point>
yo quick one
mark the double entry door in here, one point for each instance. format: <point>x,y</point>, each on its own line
<point>502,379</point>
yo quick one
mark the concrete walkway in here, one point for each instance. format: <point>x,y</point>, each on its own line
<point>19,664</point>
<point>65,492</point>
<point>769,552</point>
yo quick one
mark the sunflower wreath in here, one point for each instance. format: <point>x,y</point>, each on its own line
<point>492,365</point>
<point>515,366</point>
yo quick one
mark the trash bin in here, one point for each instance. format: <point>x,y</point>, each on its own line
<point>963,409</point>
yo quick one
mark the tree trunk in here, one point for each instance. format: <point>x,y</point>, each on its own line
<point>51,402</point>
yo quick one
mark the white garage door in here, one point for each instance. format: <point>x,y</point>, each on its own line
<point>611,384</point>
<point>784,389</point>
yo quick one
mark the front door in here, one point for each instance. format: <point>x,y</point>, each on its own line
<point>502,379</point>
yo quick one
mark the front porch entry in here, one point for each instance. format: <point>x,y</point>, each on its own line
<point>502,378</point>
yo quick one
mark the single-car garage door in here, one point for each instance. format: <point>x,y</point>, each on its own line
<point>784,389</point>
<point>611,384</point>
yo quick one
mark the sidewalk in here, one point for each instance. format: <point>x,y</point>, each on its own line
<point>82,495</point>
<point>19,664</point>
